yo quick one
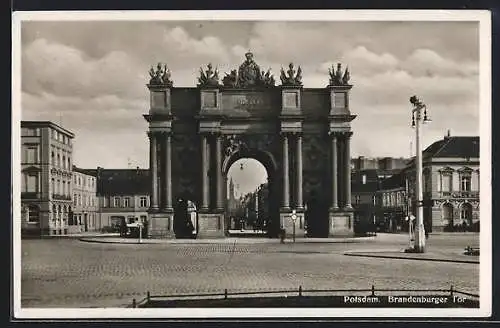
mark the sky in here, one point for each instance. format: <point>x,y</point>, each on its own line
<point>90,76</point>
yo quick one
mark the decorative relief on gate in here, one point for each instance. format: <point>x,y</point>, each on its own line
<point>234,143</point>
<point>315,153</point>
<point>184,150</point>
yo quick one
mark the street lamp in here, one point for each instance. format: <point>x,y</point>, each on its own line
<point>417,117</point>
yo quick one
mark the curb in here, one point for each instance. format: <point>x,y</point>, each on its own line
<point>411,258</point>
<point>240,241</point>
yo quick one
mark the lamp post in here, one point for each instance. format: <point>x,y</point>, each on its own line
<point>419,108</point>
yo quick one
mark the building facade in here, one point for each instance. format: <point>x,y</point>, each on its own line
<point>362,163</point>
<point>46,178</point>
<point>392,204</point>
<point>450,184</point>
<point>85,203</point>
<point>122,195</point>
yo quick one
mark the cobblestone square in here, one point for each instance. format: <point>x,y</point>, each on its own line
<point>72,273</point>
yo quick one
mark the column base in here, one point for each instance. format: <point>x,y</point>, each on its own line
<point>153,209</point>
<point>161,225</point>
<point>341,224</point>
<point>288,224</point>
<point>210,225</point>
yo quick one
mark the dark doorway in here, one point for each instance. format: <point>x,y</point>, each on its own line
<point>183,227</point>
<point>316,216</point>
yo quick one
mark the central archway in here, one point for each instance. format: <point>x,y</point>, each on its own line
<point>256,209</point>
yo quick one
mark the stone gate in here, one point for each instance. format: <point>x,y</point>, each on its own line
<point>300,135</point>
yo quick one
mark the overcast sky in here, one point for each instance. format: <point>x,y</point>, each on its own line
<point>91,76</point>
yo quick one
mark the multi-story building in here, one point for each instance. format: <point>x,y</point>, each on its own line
<point>362,163</point>
<point>450,183</point>
<point>46,176</point>
<point>123,195</point>
<point>392,204</point>
<point>364,187</point>
<point>85,204</point>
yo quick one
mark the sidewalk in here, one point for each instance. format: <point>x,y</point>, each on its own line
<point>227,240</point>
<point>92,234</point>
<point>437,256</point>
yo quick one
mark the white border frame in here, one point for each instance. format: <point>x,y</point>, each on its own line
<point>483,17</point>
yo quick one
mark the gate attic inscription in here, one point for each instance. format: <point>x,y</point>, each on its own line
<point>248,102</point>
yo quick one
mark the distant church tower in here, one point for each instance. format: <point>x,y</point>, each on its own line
<point>231,191</point>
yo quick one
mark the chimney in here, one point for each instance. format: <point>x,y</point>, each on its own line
<point>447,134</point>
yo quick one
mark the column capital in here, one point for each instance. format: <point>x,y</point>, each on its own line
<point>165,133</point>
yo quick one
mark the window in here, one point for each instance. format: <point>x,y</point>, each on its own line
<point>64,161</point>
<point>465,183</point>
<point>33,214</point>
<point>80,200</point>
<point>63,189</point>
<point>374,200</point>
<point>79,181</point>
<point>116,202</point>
<point>58,160</point>
<point>126,202</point>
<point>75,199</point>
<point>58,186</point>
<point>364,178</point>
<point>31,155</point>
<point>357,199</point>
<point>69,163</point>
<point>52,158</point>
<point>144,201</point>
<point>31,183</point>
<point>446,181</point>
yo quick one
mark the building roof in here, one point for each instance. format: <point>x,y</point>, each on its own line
<point>466,147</point>
<point>393,182</point>
<point>84,171</point>
<point>122,181</point>
<point>44,124</point>
<point>371,184</point>
<point>450,147</point>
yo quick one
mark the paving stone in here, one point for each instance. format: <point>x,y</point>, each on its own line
<point>71,273</point>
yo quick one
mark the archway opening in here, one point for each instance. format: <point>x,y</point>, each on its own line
<point>466,216</point>
<point>185,217</point>
<point>447,212</point>
<point>249,210</point>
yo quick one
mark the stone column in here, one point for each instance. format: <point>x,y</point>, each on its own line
<point>347,164</point>
<point>168,172</point>
<point>220,186</point>
<point>153,170</point>
<point>300,202</point>
<point>286,183</point>
<point>335,173</point>
<point>204,163</point>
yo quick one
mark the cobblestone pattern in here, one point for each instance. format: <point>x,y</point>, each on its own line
<point>70,273</point>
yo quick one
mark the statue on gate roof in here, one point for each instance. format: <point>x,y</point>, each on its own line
<point>336,77</point>
<point>160,76</point>
<point>231,80</point>
<point>209,77</point>
<point>290,78</point>
<point>249,72</point>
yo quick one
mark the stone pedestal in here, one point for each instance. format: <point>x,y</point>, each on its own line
<point>210,225</point>
<point>161,225</point>
<point>287,224</point>
<point>341,224</point>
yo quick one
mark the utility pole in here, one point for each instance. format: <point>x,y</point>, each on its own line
<point>419,108</point>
